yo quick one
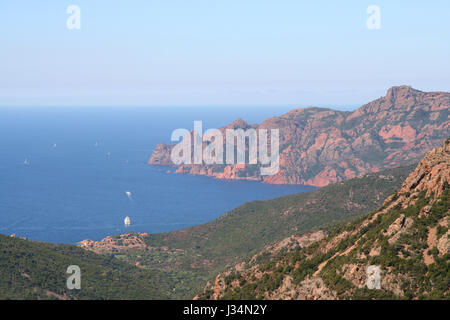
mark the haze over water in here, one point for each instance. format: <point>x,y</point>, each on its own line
<point>82,161</point>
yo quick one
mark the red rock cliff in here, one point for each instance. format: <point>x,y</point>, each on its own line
<point>320,146</point>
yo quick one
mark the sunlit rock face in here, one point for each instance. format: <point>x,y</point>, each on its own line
<point>373,277</point>
<point>321,146</point>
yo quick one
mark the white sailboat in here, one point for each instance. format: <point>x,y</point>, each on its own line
<point>26,162</point>
<point>127,221</point>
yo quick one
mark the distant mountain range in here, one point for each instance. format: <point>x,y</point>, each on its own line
<point>321,146</point>
<point>400,251</point>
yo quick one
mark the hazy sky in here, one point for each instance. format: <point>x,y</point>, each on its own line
<point>219,52</point>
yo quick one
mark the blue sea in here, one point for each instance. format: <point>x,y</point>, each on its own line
<point>65,171</point>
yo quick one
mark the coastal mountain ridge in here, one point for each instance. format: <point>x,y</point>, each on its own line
<point>320,146</point>
<point>178,264</point>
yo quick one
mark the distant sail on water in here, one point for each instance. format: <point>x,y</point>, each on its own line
<point>26,162</point>
<point>127,221</point>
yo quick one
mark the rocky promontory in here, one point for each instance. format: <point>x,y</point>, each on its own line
<point>320,146</point>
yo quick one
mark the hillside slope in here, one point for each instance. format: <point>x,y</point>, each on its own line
<point>201,251</point>
<point>321,146</point>
<point>401,250</point>
<point>37,270</point>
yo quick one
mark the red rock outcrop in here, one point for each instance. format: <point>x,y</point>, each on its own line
<point>431,174</point>
<point>118,243</point>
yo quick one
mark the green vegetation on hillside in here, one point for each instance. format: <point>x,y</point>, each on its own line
<point>37,270</point>
<point>202,251</point>
<point>401,261</point>
<point>177,264</point>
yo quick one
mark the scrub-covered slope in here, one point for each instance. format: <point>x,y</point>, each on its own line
<point>401,250</point>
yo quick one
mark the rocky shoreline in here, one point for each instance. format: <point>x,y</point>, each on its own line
<point>321,146</point>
